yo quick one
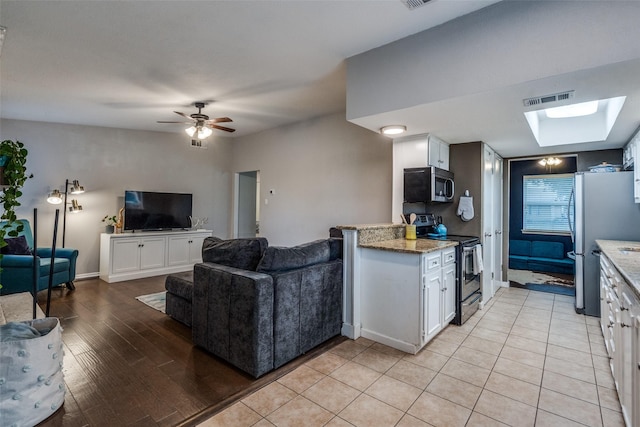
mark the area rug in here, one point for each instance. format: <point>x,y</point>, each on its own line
<point>556,283</point>
<point>156,301</point>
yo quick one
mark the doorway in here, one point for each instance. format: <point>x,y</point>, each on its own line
<point>247,218</point>
<point>539,231</point>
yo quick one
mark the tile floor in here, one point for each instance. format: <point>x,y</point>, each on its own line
<point>526,359</point>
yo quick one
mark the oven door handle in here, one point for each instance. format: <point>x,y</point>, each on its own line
<point>474,300</point>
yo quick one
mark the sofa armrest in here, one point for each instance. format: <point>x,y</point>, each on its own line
<point>233,316</point>
<point>68,253</point>
<point>18,261</point>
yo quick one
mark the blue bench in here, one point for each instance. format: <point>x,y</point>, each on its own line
<point>538,255</point>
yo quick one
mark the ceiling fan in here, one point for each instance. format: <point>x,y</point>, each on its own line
<point>201,124</point>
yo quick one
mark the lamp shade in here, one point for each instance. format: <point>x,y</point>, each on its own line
<point>76,188</point>
<point>75,207</point>
<point>55,198</point>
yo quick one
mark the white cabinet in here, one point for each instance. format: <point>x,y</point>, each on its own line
<point>185,249</point>
<point>449,285</point>
<point>432,296</point>
<point>406,299</point>
<point>630,153</point>
<point>620,311</point>
<point>438,153</point>
<point>131,256</point>
<point>137,254</point>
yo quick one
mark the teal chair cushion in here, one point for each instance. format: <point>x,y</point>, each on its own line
<point>17,270</point>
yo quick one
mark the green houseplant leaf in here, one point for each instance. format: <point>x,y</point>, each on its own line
<point>13,175</point>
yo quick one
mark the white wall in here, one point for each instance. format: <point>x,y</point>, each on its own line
<point>325,172</point>
<point>108,161</point>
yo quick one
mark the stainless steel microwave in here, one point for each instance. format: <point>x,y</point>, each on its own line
<point>428,184</point>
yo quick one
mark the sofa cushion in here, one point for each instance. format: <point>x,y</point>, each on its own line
<point>542,249</point>
<point>519,247</point>
<point>16,246</point>
<point>239,253</point>
<point>281,259</point>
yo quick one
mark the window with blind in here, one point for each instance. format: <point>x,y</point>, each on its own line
<point>546,203</point>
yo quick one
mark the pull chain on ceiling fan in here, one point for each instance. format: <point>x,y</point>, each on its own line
<point>201,126</point>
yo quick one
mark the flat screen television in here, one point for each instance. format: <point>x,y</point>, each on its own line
<point>147,210</point>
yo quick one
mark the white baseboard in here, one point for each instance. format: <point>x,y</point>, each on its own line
<point>85,276</point>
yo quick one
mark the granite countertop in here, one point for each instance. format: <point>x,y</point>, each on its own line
<point>626,261</point>
<point>418,246</point>
<point>368,226</point>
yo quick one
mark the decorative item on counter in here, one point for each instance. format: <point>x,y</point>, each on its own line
<point>197,223</point>
<point>465,207</point>
<point>605,167</point>
<point>410,228</point>
<point>110,223</point>
<point>120,223</point>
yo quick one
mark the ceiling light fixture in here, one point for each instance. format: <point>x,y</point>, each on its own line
<point>572,110</point>
<point>550,161</point>
<point>393,130</point>
<point>200,131</point>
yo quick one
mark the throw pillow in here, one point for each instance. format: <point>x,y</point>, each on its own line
<point>16,246</point>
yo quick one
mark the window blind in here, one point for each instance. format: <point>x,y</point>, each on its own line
<point>546,203</point>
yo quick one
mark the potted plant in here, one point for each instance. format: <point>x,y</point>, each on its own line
<point>13,175</point>
<point>110,223</point>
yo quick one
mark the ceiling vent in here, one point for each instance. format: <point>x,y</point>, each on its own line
<point>414,4</point>
<point>539,100</point>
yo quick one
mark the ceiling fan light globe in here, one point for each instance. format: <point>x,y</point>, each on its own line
<point>204,132</point>
<point>190,130</point>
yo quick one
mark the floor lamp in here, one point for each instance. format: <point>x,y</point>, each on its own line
<point>55,198</point>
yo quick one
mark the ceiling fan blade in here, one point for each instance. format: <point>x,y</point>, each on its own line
<point>222,128</point>
<point>185,116</point>
<point>164,121</point>
<point>220,120</point>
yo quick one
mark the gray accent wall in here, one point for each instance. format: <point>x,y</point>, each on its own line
<point>324,172</point>
<point>107,162</point>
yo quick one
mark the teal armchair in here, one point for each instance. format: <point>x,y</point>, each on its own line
<point>17,270</point>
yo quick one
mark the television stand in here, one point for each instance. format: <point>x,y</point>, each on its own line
<point>129,256</point>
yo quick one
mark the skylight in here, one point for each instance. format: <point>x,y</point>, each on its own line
<point>575,123</point>
<point>572,110</point>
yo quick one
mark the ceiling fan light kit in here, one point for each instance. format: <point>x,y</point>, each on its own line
<point>201,126</point>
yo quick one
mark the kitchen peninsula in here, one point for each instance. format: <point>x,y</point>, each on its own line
<point>397,292</point>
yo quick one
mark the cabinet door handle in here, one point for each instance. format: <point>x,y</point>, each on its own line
<point>624,325</point>
<point>487,234</point>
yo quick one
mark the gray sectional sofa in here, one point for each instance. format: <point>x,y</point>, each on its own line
<point>258,306</point>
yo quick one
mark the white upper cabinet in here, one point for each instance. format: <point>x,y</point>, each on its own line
<point>438,153</point>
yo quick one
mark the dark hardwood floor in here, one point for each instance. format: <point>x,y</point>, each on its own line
<point>128,364</point>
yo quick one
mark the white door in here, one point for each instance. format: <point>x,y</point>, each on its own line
<point>125,255</point>
<point>247,206</point>
<point>448,293</point>
<point>152,252</point>
<point>431,304</point>
<point>178,250</point>
<point>497,221</point>
<point>488,229</point>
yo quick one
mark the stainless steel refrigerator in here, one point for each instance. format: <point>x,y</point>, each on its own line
<point>604,209</point>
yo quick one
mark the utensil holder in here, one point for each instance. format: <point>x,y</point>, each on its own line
<point>410,232</point>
